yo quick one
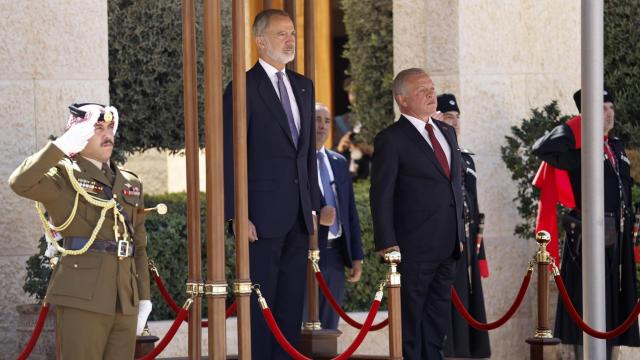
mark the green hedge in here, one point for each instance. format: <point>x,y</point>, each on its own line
<point>168,248</point>
<point>369,49</point>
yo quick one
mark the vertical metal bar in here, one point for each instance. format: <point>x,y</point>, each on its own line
<point>290,8</point>
<point>309,43</point>
<point>191,151</point>
<point>313,309</point>
<point>240,172</point>
<point>593,281</point>
<point>215,180</point>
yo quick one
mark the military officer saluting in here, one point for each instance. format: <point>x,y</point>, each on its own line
<point>100,286</point>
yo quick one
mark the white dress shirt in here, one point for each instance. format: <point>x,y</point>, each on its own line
<point>271,72</point>
<point>327,163</point>
<point>421,127</point>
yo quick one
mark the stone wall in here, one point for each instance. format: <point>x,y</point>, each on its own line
<point>52,53</point>
<point>500,58</point>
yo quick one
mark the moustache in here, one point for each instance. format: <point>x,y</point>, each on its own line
<point>107,142</point>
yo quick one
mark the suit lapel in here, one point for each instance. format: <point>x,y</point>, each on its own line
<point>271,100</point>
<point>338,179</point>
<point>412,133</point>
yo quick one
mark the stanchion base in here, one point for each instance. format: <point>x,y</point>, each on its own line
<point>319,344</point>
<point>144,345</point>
<point>543,348</point>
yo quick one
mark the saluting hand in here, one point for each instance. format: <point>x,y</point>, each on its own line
<point>77,136</point>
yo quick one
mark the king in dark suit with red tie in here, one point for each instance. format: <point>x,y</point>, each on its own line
<point>282,179</point>
<point>416,203</point>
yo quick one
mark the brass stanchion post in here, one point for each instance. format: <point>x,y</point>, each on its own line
<point>316,342</point>
<point>543,341</point>
<point>393,295</point>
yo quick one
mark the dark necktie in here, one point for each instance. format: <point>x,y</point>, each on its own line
<point>106,170</point>
<point>442,158</point>
<point>286,105</point>
<point>329,196</point>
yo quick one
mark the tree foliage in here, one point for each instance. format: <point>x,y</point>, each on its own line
<point>523,165</point>
<point>369,49</point>
<point>622,65</point>
<point>145,71</point>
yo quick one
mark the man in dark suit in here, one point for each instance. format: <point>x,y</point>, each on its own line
<point>282,179</point>
<point>416,203</point>
<point>339,232</point>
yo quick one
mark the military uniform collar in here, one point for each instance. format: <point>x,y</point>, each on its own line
<point>93,168</point>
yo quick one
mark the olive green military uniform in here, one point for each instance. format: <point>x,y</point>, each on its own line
<point>96,293</point>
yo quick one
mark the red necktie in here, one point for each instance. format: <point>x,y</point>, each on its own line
<point>609,153</point>
<point>442,158</point>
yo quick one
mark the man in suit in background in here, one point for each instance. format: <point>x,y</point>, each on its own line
<point>282,179</point>
<point>339,232</point>
<point>416,204</point>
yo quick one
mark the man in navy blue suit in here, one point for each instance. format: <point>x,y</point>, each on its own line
<point>339,232</point>
<point>282,179</point>
<point>416,204</point>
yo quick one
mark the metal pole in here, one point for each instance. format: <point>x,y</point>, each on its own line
<point>593,282</point>
<point>216,287</point>
<point>395,310</point>
<point>290,8</point>
<point>543,336</point>
<point>193,192</point>
<point>242,287</point>
<point>309,36</point>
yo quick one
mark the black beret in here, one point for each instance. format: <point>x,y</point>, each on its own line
<point>447,102</point>
<point>607,93</point>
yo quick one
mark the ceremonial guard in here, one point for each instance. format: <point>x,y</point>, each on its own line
<point>464,341</point>
<point>100,285</point>
<point>560,174</point>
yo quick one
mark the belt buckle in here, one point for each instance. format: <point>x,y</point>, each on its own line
<point>123,249</point>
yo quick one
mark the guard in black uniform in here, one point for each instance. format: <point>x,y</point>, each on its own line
<point>560,148</point>
<point>463,341</point>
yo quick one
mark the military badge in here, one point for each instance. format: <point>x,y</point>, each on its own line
<point>91,186</point>
<point>130,190</point>
<point>108,116</point>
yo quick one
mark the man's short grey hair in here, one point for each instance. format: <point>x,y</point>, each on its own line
<point>320,105</point>
<point>401,79</point>
<point>261,22</point>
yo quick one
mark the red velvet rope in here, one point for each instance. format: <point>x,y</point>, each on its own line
<point>334,304</point>
<point>586,328</point>
<point>294,353</point>
<point>44,310</point>
<point>182,316</point>
<point>496,324</point>
<point>172,304</point>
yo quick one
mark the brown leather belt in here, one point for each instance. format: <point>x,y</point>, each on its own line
<point>100,246</point>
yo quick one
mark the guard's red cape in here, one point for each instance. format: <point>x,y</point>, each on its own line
<point>555,187</point>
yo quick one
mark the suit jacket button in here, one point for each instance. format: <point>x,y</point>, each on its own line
<point>295,181</point>
<point>450,205</point>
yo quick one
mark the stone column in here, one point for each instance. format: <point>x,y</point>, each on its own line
<point>52,53</point>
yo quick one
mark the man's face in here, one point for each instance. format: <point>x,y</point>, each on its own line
<point>323,124</point>
<point>277,45</point>
<point>100,145</point>
<point>419,97</point>
<point>609,117</point>
<point>452,118</point>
